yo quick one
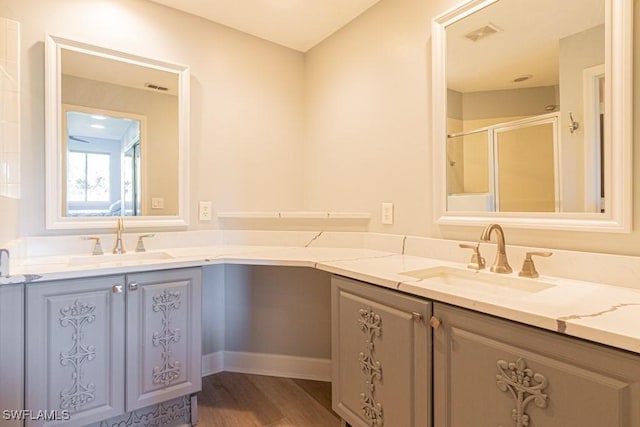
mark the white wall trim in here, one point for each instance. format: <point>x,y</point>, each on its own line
<point>277,365</point>
<point>212,363</point>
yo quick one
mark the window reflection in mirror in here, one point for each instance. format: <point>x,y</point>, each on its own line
<point>513,61</point>
<point>102,163</point>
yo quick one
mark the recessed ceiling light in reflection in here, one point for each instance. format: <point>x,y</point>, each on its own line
<point>97,126</point>
<point>98,117</point>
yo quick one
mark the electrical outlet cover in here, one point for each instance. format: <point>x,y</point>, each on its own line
<point>204,210</point>
<point>387,213</point>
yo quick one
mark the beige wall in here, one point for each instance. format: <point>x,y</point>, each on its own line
<point>277,310</point>
<point>246,99</point>
<point>577,52</point>
<point>369,132</point>
<point>368,116</point>
<point>367,120</point>
<point>508,103</point>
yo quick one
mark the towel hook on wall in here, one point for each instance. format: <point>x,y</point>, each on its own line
<point>573,126</point>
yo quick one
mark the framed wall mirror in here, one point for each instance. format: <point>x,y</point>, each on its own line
<point>532,114</point>
<point>117,138</point>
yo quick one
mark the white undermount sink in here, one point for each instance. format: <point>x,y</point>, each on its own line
<point>479,281</point>
<point>115,258</point>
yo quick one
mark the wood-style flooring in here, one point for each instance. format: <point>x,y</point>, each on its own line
<point>230,399</point>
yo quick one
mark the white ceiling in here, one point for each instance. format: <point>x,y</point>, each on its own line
<point>528,43</point>
<point>82,125</point>
<point>297,24</point>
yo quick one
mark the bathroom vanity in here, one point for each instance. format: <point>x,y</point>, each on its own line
<point>115,348</point>
<point>416,341</point>
<point>398,358</point>
<point>417,338</point>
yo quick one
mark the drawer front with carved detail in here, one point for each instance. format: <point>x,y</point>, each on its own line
<point>164,337</point>
<point>490,372</point>
<point>381,356</point>
<point>75,351</point>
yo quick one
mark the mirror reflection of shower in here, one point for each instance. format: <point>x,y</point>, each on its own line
<point>505,167</point>
<point>103,164</point>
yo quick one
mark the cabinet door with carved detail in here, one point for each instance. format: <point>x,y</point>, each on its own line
<point>381,350</point>
<point>74,351</point>
<point>163,336</point>
<point>491,372</point>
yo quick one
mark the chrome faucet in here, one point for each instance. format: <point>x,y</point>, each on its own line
<point>118,248</point>
<point>500,265</point>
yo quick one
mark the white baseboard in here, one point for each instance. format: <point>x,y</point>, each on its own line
<point>212,363</point>
<point>276,365</point>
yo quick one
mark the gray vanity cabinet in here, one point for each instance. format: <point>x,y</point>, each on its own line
<point>91,343</point>
<point>381,356</point>
<point>75,350</point>
<point>491,372</point>
<point>11,354</point>
<point>163,336</point>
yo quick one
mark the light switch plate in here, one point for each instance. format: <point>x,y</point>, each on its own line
<point>387,213</point>
<point>204,210</point>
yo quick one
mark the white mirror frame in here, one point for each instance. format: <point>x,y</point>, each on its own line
<point>53,139</point>
<point>618,129</point>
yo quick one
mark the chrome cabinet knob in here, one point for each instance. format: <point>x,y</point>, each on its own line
<point>133,286</point>
<point>117,289</point>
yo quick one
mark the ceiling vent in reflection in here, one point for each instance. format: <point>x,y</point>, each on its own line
<point>483,32</point>
<point>156,87</point>
<point>523,78</point>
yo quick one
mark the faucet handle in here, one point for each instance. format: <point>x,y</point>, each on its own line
<point>140,246</point>
<point>97,248</point>
<point>528,267</point>
<point>476,262</point>
<point>4,262</point>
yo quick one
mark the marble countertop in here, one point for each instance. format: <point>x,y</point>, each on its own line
<point>597,312</point>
